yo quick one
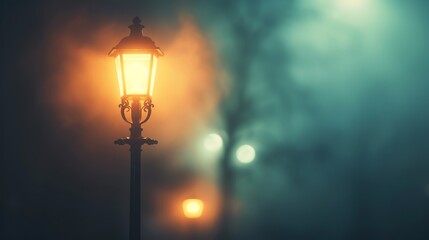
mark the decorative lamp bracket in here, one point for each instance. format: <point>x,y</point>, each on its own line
<point>126,107</point>
<point>139,141</point>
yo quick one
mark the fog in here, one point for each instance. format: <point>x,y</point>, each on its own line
<point>331,95</point>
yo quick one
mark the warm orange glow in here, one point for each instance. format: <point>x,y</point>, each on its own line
<point>193,208</point>
<point>186,76</point>
<point>152,78</point>
<point>119,72</point>
<point>82,91</point>
<point>136,73</point>
<point>172,214</point>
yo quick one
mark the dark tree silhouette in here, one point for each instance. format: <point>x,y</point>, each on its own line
<point>250,24</point>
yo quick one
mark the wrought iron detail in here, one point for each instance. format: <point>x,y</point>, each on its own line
<point>140,141</point>
<point>147,107</point>
<point>125,107</point>
<point>134,106</point>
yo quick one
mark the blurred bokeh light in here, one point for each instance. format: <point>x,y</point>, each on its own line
<point>193,208</point>
<point>213,142</point>
<point>245,153</point>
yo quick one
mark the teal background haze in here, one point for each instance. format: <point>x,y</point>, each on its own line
<point>333,96</point>
<point>336,105</point>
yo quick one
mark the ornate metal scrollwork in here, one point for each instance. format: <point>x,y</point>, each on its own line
<point>147,107</point>
<point>140,141</point>
<point>125,107</point>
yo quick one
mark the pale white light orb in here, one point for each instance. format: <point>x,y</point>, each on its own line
<point>213,142</point>
<point>245,153</point>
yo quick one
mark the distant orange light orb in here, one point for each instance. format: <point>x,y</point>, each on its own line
<point>193,208</point>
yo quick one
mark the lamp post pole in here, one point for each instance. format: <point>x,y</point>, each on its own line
<point>135,141</point>
<point>136,57</point>
<point>135,150</point>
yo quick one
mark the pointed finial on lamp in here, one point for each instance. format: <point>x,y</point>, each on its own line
<point>136,28</point>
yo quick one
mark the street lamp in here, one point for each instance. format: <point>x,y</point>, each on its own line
<point>136,57</point>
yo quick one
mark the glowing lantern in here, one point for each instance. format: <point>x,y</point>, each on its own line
<point>136,57</point>
<point>193,208</point>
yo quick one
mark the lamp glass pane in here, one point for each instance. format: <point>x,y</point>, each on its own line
<point>136,72</point>
<point>119,72</point>
<point>152,80</point>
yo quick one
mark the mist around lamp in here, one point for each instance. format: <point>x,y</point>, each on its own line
<point>136,58</point>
